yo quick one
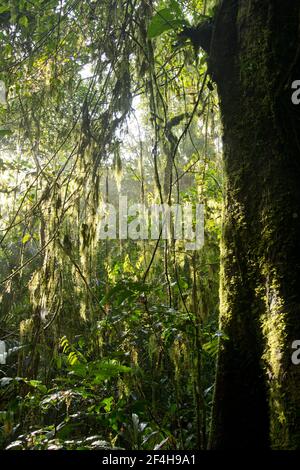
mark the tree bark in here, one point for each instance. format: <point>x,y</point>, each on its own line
<point>254,58</point>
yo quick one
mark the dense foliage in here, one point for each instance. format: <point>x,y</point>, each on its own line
<point>111,343</point>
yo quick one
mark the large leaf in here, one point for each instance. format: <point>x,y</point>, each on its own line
<point>163,21</point>
<point>99,371</point>
<point>105,370</point>
<point>176,9</point>
<point>4,8</point>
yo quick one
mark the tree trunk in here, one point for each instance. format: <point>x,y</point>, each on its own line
<point>254,58</point>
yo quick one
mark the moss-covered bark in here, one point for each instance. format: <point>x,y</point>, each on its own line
<point>254,58</point>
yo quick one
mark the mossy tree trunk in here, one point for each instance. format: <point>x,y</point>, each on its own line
<point>254,58</point>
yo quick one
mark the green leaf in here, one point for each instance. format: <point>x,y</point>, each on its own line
<point>23,21</point>
<point>4,132</point>
<point>64,430</point>
<point>176,9</point>
<point>38,385</point>
<point>80,369</point>
<point>107,403</point>
<point>163,21</point>
<point>4,8</point>
<point>105,370</point>
<point>211,347</point>
<point>26,237</point>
